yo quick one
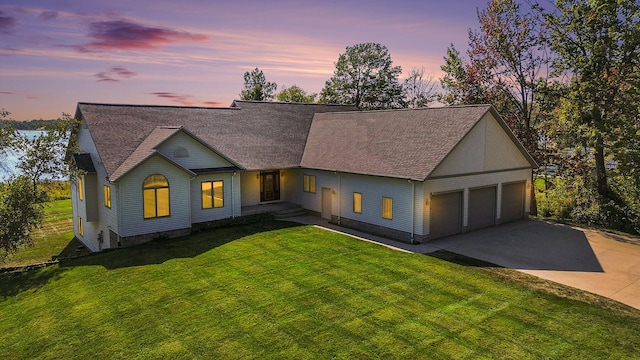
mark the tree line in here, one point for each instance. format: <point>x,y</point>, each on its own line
<point>29,125</point>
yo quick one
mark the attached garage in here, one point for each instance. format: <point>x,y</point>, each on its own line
<point>512,204</point>
<point>482,208</point>
<point>446,214</point>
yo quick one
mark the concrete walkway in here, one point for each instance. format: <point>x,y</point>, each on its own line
<point>595,261</point>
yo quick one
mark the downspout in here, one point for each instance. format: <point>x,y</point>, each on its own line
<point>339,199</point>
<point>233,209</point>
<point>413,209</point>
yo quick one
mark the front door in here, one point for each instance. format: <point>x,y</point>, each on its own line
<point>270,185</point>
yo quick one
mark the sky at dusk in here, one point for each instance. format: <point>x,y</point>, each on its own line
<point>56,53</point>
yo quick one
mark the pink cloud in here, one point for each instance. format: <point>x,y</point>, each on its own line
<point>127,35</point>
<point>185,100</point>
<point>114,74</point>
<point>26,96</point>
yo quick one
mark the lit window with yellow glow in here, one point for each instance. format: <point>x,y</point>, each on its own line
<point>80,189</point>
<point>357,202</point>
<point>156,197</point>
<point>80,227</point>
<point>107,196</point>
<point>309,184</point>
<point>387,208</point>
<point>212,194</point>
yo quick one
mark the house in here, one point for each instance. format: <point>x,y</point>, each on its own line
<point>412,175</point>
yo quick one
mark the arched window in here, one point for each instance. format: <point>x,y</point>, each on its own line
<point>156,196</point>
<point>180,152</point>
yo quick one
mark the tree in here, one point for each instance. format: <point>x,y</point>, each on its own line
<point>365,77</point>
<point>44,154</point>
<point>419,90</point>
<point>296,94</point>
<point>598,46</point>
<point>21,212</point>
<point>256,86</point>
<point>6,136</point>
<point>508,67</point>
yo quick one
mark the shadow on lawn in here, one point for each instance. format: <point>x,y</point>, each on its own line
<point>160,250</point>
<point>13,283</point>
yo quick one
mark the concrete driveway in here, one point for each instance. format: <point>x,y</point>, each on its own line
<point>595,261</point>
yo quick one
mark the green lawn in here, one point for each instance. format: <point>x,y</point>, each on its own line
<point>275,290</point>
<point>54,239</point>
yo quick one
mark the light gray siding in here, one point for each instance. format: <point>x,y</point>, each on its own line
<point>485,148</point>
<point>198,155</point>
<point>231,204</point>
<point>406,218</point>
<point>250,184</point>
<point>132,221</point>
<point>106,218</point>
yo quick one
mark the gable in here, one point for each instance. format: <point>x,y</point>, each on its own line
<point>486,148</point>
<point>191,154</point>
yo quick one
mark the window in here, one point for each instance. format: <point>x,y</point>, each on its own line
<point>156,197</point>
<point>387,208</point>
<point>309,184</point>
<point>357,202</point>
<point>181,152</point>
<point>212,194</point>
<point>80,227</point>
<point>80,190</point>
<point>107,196</point>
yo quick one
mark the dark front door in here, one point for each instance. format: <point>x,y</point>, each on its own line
<point>270,186</point>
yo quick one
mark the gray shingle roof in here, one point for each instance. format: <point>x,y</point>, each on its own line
<point>254,135</point>
<point>405,144</point>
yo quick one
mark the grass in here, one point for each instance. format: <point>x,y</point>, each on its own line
<point>54,239</point>
<point>275,290</point>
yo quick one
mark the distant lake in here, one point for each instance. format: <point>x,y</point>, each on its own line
<point>9,158</point>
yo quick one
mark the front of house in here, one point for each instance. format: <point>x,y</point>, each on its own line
<point>413,175</point>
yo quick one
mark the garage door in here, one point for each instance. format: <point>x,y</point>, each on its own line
<point>482,208</point>
<point>445,217</point>
<point>512,204</point>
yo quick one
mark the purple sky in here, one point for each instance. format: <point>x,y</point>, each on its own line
<point>55,53</point>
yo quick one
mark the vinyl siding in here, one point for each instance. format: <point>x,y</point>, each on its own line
<point>132,221</point>
<point>231,206</point>
<point>200,157</point>
<point>250,184</point>
<point>106,218</point>
<point>373,189</point>
<point>465,183</point>
<point>485,148</point>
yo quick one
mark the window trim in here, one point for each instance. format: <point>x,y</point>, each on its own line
<point>155,197</point>
<point>307,182</point>
<point>106,189</point>
<point>80,189</point>
<point>213,203</point>
<point>80,227</point>
<point>390,205</point>
<point>357,210</point>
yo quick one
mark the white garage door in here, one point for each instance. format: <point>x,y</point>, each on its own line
<point>482,208</point>
<point>512,204</point>
<point>445,217</point>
